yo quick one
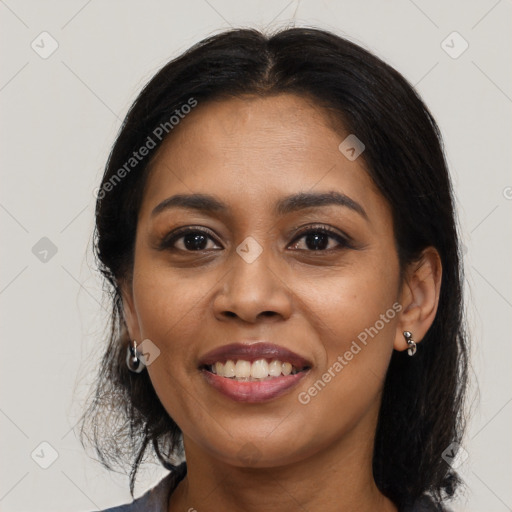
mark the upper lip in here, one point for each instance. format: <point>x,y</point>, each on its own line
<point>252,352</point>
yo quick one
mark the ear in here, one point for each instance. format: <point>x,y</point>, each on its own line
<point>129,312</point>
<point>419,297</point>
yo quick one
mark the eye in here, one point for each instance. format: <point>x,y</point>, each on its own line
<point>190,240</point>
<point>316,238</point>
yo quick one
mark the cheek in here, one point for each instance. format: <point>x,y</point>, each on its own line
<point>171,315</point>
<point>354,298</point>
<point>169,307</point>
<point>358,344</point>
<point>357,315</point>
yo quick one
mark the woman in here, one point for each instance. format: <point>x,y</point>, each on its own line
<point>276,223</point>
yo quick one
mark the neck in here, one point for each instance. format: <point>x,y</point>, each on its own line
<point>337,478</point>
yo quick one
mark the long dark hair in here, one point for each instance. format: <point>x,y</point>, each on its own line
<point>423,397</point>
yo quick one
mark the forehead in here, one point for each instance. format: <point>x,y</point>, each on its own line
<point>251,151</point>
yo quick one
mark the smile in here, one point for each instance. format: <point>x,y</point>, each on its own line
<point>253,372</point>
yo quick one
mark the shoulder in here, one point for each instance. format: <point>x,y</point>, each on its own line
<point>425,504</point>
<point>156,498</point>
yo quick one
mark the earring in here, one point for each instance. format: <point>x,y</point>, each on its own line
<point>410,342</point>
<point>132,359</point>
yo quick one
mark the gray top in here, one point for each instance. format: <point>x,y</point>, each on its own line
<point>156,499</point>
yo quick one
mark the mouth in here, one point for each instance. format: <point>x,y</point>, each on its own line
<point>254,372</point>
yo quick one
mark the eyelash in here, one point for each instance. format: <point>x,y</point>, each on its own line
<point>343,241</point>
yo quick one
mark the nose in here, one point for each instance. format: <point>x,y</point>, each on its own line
<point>253,291</point>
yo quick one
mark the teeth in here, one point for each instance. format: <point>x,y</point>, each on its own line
<point>218,368</point>
<point>287,368</point>
<point>274,368</point>
<point>259,369</point>
<point>243,369</point>
<point>229,369</point>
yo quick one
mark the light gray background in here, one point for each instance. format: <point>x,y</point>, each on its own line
<point>59,118</point>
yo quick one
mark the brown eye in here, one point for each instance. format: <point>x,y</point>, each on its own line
<point>318,239</point>
<point>190,239</point>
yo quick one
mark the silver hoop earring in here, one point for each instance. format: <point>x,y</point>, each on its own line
<point>410,342</point>
<point>132,359</point>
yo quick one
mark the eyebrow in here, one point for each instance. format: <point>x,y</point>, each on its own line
<point>210,204</point>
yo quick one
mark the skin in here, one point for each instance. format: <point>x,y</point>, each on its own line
<point>250,152</point>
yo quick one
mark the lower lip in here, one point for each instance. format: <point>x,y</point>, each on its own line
<point>253,392</point>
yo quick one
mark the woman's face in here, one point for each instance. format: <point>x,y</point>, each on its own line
<point>249,273</point>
